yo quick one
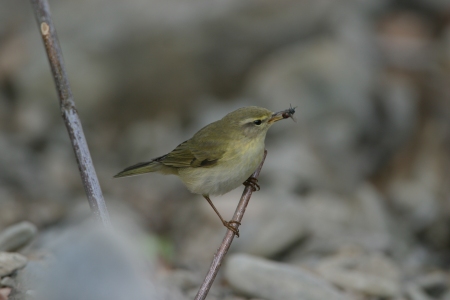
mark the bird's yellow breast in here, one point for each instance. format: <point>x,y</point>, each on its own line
<point>236,165</point>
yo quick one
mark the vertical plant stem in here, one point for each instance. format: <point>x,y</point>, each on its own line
<point>228,239</point>
<point>69,112</point>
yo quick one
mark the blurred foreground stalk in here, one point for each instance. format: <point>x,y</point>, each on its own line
<point>228,239</point>
<point>69,112</point>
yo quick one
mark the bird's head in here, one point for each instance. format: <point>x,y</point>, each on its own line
<point>253,121</point>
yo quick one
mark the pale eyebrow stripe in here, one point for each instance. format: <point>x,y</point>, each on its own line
<point>262,118</point>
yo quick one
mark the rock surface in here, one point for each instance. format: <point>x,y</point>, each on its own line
<point>100,265</point>
<point>258,277</point>
<point>17,236</point>
<point>337,220</point>
<point>11,262</point>
<point>371,274</point>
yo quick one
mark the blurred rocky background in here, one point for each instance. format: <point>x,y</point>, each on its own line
<point>355,196</point>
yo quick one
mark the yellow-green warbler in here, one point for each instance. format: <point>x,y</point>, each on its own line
<point>220,156</point>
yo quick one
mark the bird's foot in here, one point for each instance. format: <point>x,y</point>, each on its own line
<point>232,228</point>
<point>253,183</point>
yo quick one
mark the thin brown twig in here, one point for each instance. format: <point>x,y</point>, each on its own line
<point>69,112</point>
<point>228,239</point>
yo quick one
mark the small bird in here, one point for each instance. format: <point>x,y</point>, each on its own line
<point>220,156</point>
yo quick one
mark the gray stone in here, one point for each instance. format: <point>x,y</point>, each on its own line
<point>416,197</point>
<point>8,282</point>
<point>89,262</point>
<point>257,277</point>
<point>10,262</point>
<point>371,274</point>
<point>335,220</point>
<point>435,285</point>
<point>273,223</point>
<point>17,236</point>
<point>415,293</point>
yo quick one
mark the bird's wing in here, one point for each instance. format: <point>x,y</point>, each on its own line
<point>180,157</point>
<point>206,154</point>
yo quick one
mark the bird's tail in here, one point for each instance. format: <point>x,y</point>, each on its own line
<point>140,168</point>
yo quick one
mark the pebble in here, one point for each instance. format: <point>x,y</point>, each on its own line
<point>372,274</point>
<point>435,285</point>
<point>271,227</point>
<point>334,220</point>
<point>99,265</point>
<point>415,293</point>
<point>7,282</point>
<point>276,230</point>
<point>257,277</point>
<point>17,236</point>
<point>10,262</point>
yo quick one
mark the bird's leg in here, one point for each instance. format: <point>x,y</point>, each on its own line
<point>253,183</point>
<point>225,223</point>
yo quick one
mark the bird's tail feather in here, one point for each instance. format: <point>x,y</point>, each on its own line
<point>140,168</point>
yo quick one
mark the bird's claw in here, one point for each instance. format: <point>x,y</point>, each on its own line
<point>232,228</point>
<point>253,183</point>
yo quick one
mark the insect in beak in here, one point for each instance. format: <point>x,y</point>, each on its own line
<point>284,114</point>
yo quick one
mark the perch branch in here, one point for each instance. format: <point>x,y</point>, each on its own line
<point>228,239</point>
<point>69,112</point>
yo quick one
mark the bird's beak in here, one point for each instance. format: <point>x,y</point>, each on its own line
<point>276,117</point>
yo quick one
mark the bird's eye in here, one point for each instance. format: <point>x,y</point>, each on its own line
<point>257,122</point>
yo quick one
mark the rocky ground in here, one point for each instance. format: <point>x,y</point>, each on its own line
<point>354,200</point>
